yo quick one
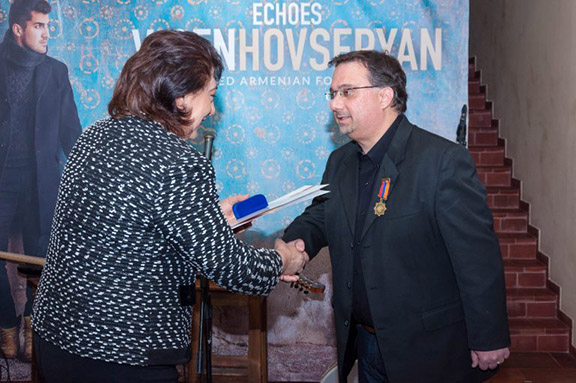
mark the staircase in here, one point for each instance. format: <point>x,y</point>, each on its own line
<point>536,323</point>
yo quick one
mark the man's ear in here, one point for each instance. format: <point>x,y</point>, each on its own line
<point>17,30</point>
<point>386,97</point>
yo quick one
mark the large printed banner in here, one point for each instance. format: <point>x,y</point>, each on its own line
<point>274,128</point>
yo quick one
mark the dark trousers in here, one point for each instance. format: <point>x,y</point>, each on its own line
<point>18,215</point>
<point>58,366</point>
<point>371,367</point>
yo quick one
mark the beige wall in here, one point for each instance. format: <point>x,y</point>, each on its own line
<point>526,50</point>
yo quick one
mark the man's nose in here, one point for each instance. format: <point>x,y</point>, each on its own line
<point>336,103</point>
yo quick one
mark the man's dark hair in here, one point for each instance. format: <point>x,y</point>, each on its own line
<point>169,65</point>
<point>385,70</point>
<point>21,11</point>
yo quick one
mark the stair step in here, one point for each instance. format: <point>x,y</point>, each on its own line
<point>477,101</point>
<point>473,86</point>
<point>483,137</point>
<point>503,197</point>
<point>471,68</point>
<point>494,125</point>
<point>510,221</point>
<point>480,118</point>
<point>495,176</point>
<point>539,335</point>
<point>531,303</point>
<point>526,273</point>
<point>487,155</point>
<point>533,309</point>
<point>518,246</point>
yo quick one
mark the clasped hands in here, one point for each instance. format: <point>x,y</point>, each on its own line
<point>293,254</point>
<point>294,258</point>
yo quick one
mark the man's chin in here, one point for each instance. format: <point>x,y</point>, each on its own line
<point>345,130</point>
<point>41,49</point>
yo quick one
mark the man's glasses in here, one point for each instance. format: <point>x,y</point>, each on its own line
<point>347,92</point>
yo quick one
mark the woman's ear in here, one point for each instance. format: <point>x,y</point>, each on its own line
<point>180,103</point>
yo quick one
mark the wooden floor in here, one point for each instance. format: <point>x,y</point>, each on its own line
<point>534,368</point>
<point>537,368</point>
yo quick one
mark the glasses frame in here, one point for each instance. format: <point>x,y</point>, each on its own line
<point>331,95</point>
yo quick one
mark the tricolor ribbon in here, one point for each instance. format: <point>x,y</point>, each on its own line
<point>384,189</point>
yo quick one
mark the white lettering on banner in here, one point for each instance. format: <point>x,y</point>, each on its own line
<point>286,14</point>
<point>360,34</point>
<point>136,37</point>
<point>426,46</point>
<point>228,52</point>
<point>325,81</point>
<point>296,54</point>
<point>317,47</point>
<point>227,81</point>
<point>406,50</point>
<point>274,80</point>
<point>338,33</point>
<point>245,49</point>
<point>386,43</point>
<point>269,36</point>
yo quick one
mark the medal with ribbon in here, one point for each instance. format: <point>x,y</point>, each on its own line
<point>380,207</point>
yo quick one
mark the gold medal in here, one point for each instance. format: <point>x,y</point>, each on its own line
<point>380,208</point>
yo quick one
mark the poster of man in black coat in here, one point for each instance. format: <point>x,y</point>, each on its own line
<point>39,124</point>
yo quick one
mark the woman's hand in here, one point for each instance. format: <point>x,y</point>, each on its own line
<point>226,207</point>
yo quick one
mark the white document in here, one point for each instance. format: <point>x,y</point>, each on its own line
<point>299,195</point>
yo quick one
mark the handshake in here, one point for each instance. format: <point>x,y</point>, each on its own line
<point>294,258</point>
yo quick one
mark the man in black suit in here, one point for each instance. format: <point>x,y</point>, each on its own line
<point>419,291</point>
<point>38,124</point>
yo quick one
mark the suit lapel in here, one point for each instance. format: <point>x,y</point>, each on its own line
<point>41,77</point>
<point>389,169</point>
<point>3,81</point>
<point>348,185</point>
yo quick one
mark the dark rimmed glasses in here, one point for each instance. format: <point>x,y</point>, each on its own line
<point>346,92</point>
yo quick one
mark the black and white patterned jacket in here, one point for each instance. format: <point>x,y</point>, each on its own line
<point>137,217</point>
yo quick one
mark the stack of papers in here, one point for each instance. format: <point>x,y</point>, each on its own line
<point>299,195</point>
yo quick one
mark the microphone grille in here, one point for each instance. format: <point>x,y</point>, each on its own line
<point>209,133</point>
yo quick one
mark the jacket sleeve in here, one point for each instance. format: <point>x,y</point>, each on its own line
<point>189,217</point>
<point>70,128</point>
<point>310,225</point>
<point>466,225</point>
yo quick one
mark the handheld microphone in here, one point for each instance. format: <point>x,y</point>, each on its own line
<point>461,131</point>
<point>209,136</point>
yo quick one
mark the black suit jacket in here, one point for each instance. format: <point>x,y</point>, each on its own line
<point>432,265</point>
<point>56,128</point>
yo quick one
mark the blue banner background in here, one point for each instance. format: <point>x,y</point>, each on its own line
<point>274,128</point>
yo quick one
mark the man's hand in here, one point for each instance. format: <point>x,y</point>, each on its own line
<point>226,207</point>
<point>294,258</point>
<point>489,359</point>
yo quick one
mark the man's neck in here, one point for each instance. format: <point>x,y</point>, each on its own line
<point>20,56</point>
<point>369,142</point>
